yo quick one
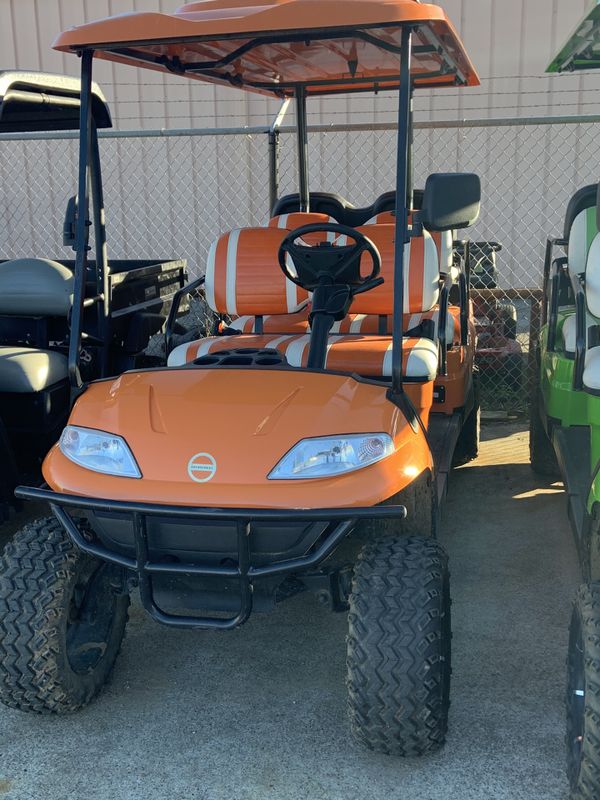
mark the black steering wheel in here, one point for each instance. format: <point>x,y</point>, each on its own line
<point>327,262</point>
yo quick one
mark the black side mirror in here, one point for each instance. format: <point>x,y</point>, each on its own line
<point>451,200</point>
<point>69,223</point>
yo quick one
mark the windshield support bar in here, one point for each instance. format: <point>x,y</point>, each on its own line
<point>302,127</point>
<point>82,227</point>
<point>401,232</point>
<point>100,247</point>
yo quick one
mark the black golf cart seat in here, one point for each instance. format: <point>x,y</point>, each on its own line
<point>239,283</point>
<point>36,296</point>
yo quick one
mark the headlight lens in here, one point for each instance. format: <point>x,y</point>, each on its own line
<point>332,455</point>
<point>99,451</point>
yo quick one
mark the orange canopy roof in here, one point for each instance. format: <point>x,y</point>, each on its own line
<point>271,46</point>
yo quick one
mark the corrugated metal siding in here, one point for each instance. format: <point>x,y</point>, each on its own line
<point>172,194</point>
<point>506,38</point>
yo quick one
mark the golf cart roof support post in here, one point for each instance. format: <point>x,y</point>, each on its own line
<point>100,250</point>
<point>402,184</point>
<point>81,231</point>
<point>409,168</point>
<point>300,93</point>
<point>274,152</point>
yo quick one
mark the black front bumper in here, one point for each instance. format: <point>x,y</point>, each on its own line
<point>244,570</point>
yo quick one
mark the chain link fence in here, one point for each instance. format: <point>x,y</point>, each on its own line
<point>169,193</point>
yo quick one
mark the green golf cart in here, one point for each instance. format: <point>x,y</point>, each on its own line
<point>565,425</point>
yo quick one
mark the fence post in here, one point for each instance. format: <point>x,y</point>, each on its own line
<point>273,139</point>
<point>273,168</point>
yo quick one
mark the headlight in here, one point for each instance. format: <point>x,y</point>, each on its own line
<point>98,451</point>
<point>332,455</point>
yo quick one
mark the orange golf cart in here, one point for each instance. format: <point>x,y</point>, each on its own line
<point>307,445</point>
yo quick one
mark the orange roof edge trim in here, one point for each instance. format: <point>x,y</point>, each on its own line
<point>222,23</point>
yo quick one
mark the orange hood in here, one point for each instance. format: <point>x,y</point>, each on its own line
<point>240,423</point>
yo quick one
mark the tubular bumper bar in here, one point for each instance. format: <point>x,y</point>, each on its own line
<point>245,573</point>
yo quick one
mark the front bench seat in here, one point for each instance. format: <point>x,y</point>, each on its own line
<point>33,287</point>
<point>365,355</point>
<point>245,261</point>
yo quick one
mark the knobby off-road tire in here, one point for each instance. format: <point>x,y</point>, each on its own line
<point>541,452</point>
<point>398,649</point>
<point>61,621</point>
<point>583,695</point>
<point>467,446</point>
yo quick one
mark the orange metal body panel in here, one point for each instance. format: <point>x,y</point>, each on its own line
<point>246,420</point>
<point>211,30</point>
<point>459,364</point>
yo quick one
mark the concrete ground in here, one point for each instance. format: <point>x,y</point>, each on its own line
<point>259,713</point>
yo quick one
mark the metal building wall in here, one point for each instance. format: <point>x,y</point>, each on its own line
<point>511,42</point>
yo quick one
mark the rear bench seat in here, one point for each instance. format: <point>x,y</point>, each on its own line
<point>243,278</point>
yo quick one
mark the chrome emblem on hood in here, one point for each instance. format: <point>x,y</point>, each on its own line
<point>202,467</point>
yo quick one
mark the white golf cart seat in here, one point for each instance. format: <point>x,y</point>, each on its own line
<point>579,232</point>
<point>591,372</point>
<point>33,287</point>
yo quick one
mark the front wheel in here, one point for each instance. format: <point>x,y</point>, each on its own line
<point>62,620</point>
<point>583,695</point>
<point>398,651</point>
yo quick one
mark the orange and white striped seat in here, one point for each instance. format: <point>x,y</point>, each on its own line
<point>296,219</point>
<point>245,274</point>
<point>444,241</point>
<point>352,323</point>
<point>370,356</point>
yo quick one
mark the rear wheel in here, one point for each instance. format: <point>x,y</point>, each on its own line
<point>398,651</point>
<point>62,620</point>
<point>467,446</point>
<point>583,695</point>
<point>541,452</point>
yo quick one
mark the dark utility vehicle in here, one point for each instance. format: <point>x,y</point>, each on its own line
<point>62,323</point>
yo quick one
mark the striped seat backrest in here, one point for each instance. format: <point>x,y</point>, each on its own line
<point>383,218</point>
<point>444,240</point>
<point>295,219</point>
<point>421,273</point>
<point>243,275</point>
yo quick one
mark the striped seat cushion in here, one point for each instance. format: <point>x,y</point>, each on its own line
<point>352,323</point>
<point>364,355</point>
